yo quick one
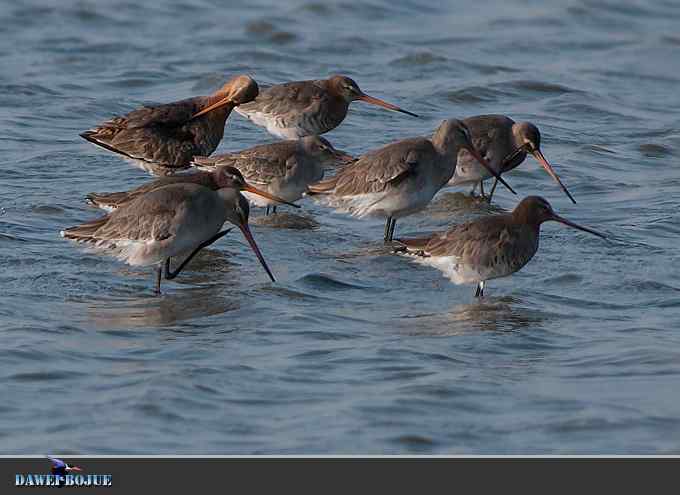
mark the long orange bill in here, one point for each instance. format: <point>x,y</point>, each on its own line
<point>560,219</point>
<point>548,168</point>
<point>384,104</point>
<point>249,237</point>
<point>264,194</point>
<point>75,468</point>
<point>486,165</point>
<point>223,102</point>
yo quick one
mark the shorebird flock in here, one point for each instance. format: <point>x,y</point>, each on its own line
<point>185,209</point>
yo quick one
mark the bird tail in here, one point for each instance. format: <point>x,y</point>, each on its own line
<point>415,246</point>
<point>90,136</point>
<point>325,186</point>
<point>84,232</point>
<point>107,201</point>
<point>102,136</point>
<point>203,162</point>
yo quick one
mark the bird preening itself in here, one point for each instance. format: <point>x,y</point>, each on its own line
<point>171,221</point>
<point>305,108</point>
<point>401,178</point>
<point>284,169</point>
<point>505,144</point>
<point>491,247</point>
<point>169,135</point>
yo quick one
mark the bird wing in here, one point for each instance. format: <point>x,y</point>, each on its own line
<point>118,198</point>
<point>291,102</point>
<point>281,98</point>
<point>489,134</point>
<point>389,165</point>
<point>263,170</point>
<point>166,115</point>
<point>56,463</point>
<point>279,151</point>
<point>487,242</point>
<point>150,217</point>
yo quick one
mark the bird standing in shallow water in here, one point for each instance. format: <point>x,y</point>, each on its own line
<point>398,179</point>
<point>505,145</point>
<point>306,108</point>
<point>491,247</point>
<point>167,222</point>
<point>284,169</point>
<point>168,136</point>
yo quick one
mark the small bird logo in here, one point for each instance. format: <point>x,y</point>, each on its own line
<point>60,468</point>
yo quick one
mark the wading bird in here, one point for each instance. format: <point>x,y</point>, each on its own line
<point>305,108</point>
<point>398,179</point>
<point>284,169</point>
<point>171,221</point>
<point>491,247</point>
<point>505,145</point>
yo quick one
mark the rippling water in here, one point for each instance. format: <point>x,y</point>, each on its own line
<point>354,350</point>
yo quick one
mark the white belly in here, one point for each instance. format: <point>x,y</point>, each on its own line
<point>450,267</point>
<point>273,125</point>
<point>289,190</point>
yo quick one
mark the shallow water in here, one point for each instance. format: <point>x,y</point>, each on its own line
<point>354,350</point>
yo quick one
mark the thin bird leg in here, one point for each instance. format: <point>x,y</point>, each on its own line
<point>481,188</point>
<point>266,212</point>
<point>495,183</point>
<point>387,229</point>
<point>394,224</point>
<point>480,289</point>
<point>159,275</point>
<point>274,210</point>
<point>169,275</point>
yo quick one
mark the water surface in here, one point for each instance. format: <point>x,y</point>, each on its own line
<point>354,350</point>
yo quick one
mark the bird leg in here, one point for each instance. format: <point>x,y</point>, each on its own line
<point>274,210</point>
<point>387,229</point>
<point>394,224</point>
<point>169,274</point>
<point>159,275</point>
<point>481,189</point>
<point>266,212</point>
<point>495,183</point>
<point>480,289</point>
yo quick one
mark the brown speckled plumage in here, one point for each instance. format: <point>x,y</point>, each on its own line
<point>491,247</point>
<point>285,168</point>
<point>398,179</point>
<point>504,144</point>
<point>304,108</point>
<point>168,135</point>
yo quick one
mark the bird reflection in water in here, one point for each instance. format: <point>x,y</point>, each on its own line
<point>138,312</point>
<point>201,296</point>
<point>502,314</point>
<point>464,206</point>
<point>285,220</point>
